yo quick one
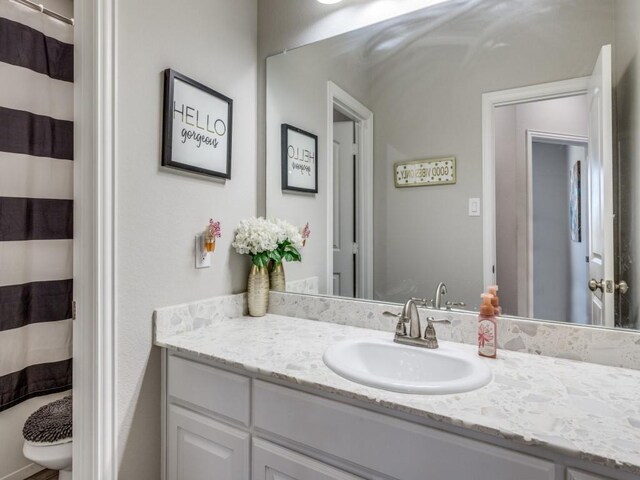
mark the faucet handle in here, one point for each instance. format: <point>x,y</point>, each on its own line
<point>423,302</point>
<point>430,337</point>
<point>401,328</point>
<point>431,321</point>
<point>449,305</point>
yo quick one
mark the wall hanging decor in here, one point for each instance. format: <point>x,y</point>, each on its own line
<point>299,160</point>
<point>422,173</point>
<point>575,203</point>
<point>197,127</point>
<point>206,243</point>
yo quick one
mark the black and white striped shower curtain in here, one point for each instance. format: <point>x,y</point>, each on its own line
<point>36,207</point>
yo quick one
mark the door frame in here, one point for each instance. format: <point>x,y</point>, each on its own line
<point>542,137</point>
<point>363,117</point>
<point>94,356</point>
<point>490,101</point>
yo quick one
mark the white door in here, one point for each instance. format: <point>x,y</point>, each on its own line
<point>343,210</point>
<point>600,172</point>
<point>271,462</point>
<point>200,448</point>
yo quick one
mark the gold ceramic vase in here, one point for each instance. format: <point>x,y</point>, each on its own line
<point>277,281</point>
<point>258,291</point>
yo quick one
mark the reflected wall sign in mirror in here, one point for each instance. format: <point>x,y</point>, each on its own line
<point>299,152</point>
<point>524,95</point>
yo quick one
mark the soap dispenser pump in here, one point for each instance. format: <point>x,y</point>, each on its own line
<point>487,328</point>
<point>495,301</point>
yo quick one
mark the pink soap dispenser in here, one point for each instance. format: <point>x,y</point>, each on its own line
<point>495,301</point>
<point>487,328</point>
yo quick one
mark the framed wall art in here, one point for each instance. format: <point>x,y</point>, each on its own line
<point>299,160</point>
<point>575,202</point>
<point>423,173</point>
<point>197,127</point>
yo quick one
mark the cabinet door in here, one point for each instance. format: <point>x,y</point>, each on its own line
<point>202,449</point>
<point>271,462</point>
<point>578,475</point>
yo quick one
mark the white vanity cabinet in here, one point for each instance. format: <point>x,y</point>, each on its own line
<point>228,426</point>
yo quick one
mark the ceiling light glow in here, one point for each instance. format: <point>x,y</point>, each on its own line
<point>329,2</point>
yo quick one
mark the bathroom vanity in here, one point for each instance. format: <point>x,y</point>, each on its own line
<point>252,398</point>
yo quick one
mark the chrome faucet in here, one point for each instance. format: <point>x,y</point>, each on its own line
<point>411,316</point>
<point>441,291</point>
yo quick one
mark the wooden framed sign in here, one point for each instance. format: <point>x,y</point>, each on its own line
<point>197,127</point>
<point>422,173</point>
<point>299,160</point>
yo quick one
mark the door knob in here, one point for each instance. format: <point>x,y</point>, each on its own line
<point>595,285</point>
<point>622,287</point>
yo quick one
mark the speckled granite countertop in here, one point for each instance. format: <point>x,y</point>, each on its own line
<point>578,409</point>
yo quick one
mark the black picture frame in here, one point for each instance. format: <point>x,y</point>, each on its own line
<point>170,77</point>
<point>284,146</point>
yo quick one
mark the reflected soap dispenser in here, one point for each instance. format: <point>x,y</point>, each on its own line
<point>495,301</point>
<point>487,328</point>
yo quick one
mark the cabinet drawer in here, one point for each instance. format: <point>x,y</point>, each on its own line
<point>271,462</point>
<point>216,391</point>
<point>384,444</point>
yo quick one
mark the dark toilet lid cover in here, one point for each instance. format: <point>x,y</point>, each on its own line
<point>50,423</point>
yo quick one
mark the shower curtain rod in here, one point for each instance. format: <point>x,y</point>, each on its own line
<point>41,8</point>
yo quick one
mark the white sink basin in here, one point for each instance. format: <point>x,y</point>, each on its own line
<point>400,368</point>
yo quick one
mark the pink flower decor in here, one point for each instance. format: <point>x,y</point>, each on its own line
<point>484,335</point>
<point>306,233</point>
<point>214,229</point>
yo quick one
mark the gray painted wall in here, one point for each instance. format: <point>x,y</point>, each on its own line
<point>158,212</point>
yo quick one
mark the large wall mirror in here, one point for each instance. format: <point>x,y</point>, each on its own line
<point>472,142</point>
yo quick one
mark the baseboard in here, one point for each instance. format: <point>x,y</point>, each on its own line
<point>24,472</point>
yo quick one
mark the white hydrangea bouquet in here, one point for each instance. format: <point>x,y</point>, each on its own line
<point>268,240</point>
<point>290,242</point>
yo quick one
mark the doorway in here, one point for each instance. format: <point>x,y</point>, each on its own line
<point>557,249</point>
<point>581,110</point>
<point>345,219</point>
<point>349,195</point>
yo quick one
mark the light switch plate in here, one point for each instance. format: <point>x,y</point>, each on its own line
<point>474,207</point>
<point>203,259</point>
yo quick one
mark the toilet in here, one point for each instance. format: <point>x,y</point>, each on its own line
<point>47,437</point>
